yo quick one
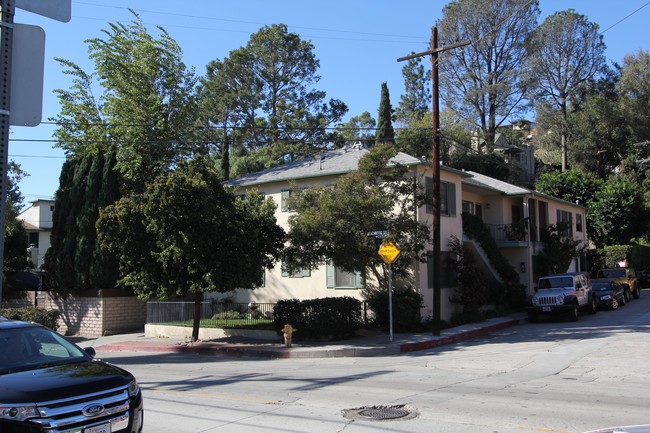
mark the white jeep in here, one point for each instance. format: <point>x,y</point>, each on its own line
<point>563,293</point>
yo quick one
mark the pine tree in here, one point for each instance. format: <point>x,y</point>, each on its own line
<point>385,132</point>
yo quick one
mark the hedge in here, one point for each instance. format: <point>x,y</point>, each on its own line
<point>315,319</point>
<point>47,318</point>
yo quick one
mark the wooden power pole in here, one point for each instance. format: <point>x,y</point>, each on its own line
<point>435,163</point>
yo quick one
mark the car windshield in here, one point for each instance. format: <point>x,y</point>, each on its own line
<point>554,283</point>
<point>35,347</point>
<point>613,273</point>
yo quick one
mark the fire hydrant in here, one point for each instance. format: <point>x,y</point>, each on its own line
<point>288,330</point>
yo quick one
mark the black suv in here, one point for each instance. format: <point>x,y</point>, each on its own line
<point>50,385</point>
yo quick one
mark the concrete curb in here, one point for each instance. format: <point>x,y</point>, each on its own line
<point>359,348</point>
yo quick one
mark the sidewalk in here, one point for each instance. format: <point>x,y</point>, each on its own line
<point>376,345</point>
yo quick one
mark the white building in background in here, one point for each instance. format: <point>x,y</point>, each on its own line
<point>37,220</point>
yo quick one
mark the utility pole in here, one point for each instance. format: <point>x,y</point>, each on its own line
<point>435,163</point>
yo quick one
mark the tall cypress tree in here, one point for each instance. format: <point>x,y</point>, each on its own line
<point>104,269</point>
<point>58,260</point>
<point>74,262</point>
<point>385,132</point>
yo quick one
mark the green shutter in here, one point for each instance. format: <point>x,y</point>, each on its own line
<point>284,197</point>
<point>428,193</point>
<point>330,278</point>
<point>451,199</point>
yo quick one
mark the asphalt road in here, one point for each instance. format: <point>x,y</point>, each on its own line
<point>552,377</point>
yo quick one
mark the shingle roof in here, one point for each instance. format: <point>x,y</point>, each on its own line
<point>333,162</point>
<point>484,181</point>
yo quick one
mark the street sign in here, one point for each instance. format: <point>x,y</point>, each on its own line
<point>56,9</point>
<point>388,252</point>
<point>378,233</point>
<point>28,61</point>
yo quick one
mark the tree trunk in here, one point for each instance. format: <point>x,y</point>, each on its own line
<point>198,300</point>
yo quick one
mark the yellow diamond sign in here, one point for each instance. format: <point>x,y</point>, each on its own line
<point>388,252</point>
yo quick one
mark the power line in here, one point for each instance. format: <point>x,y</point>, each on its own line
<point>405,38</point>
<point>624,18</point>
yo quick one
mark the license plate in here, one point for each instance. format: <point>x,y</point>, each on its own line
<point>102,428</point>
<point>546,309</point>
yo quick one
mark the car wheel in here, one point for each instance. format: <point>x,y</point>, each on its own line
<point>637,293</point>
<point>593,307</point>
<point>614,304</point>
<point>626,295</point>
<point>573,313</point>
<point>622,301</point>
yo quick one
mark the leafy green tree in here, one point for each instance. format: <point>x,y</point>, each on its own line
<point>359,128</point>
<point>574,186</point>
<point>187,235</point>
<point>331,224</point>
<point>414,132</point>
<point>599,130</point>
<point>147,109</point>
<point>492,165</point>
<point>482,82</point>
<point>269,91</point>
<point>415,102</point>
<point>558,252</point>
<point>616,214</point>
<point>564,52</point>
<point>225,101</point>
<point>634,87</point>
<point>385,132</point>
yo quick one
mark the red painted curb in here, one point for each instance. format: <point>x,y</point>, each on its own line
<point>412,347</point>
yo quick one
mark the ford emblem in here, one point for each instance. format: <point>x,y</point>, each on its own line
<point>94,409</point>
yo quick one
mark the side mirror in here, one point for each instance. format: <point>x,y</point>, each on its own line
<point>90,351</point>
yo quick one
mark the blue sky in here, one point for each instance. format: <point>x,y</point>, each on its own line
<point>357,43</point>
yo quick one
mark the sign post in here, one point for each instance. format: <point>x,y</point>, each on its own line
<point>389,252</point>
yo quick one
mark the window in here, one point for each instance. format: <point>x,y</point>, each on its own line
<point>284,206</point>
<point>447,197</point>
<point>578,222</point>
<point>565,222</point>
<point>300,273</point>
<point>337,278</point>
<point>33,239</point>
<point>472,208</point>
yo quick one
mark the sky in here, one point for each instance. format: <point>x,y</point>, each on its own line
<point>357,43</point>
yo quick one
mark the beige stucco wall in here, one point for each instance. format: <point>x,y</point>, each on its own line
<point>278,287</point>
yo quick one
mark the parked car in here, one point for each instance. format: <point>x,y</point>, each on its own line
<point>609,294</point>
<point>563,293</point>
<point>48,384</point>
<point>626,277</point>
<point>644,278</point>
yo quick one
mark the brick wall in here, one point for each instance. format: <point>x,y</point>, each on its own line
<point>107,313</point>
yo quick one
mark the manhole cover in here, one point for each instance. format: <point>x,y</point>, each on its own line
<point>384,413</point>
<point>380,413</point>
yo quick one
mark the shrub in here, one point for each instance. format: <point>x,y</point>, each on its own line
<point>406,308</point>
<point>227,315</point>
<point>47,318</point>
<point>331,318</point>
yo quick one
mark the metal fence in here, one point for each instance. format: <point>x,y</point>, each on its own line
<point>215,314</point>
